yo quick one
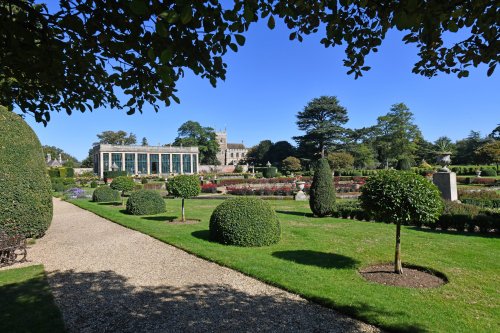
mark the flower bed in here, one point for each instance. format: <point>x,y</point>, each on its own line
<point>208,188</point>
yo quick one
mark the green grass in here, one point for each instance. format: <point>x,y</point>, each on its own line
<point>319,259</point>
<point>26,303</point>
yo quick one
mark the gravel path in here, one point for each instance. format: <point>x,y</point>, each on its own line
<point>106,278</point>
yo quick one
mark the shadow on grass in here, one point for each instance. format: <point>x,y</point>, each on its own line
<point>110,203</point>
<point>28,306</point>
<point>92,301</point>
<point>318,259</point>
<point>203,235</point>
<point>290,212</point>
<point>160,218</point>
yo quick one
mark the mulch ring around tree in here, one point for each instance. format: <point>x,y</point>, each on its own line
<point>412,277</point>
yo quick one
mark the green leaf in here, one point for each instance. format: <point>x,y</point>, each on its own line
<point>271,23</point>
<point>165,56</point>
<point>139,7</point>
<point>491,70</point>
<point>186,14</point>
<point>233,47</point>
<point>161,29</point>
<point>240,39</point>
<point>151,54</point>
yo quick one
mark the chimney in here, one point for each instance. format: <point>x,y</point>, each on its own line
<point>49,158</point>
<point>60,158</point>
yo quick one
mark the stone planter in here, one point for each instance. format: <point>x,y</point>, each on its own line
<point>444,159</point>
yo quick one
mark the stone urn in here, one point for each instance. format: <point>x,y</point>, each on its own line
<point>443,159</point>
<point>300,196</point>
<point>300,185</point>
<point>478,173</point>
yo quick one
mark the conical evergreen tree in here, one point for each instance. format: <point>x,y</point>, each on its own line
<point>322,194</point>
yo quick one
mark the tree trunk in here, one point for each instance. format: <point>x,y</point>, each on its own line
<point>183,216</point>
<point>398,268</point>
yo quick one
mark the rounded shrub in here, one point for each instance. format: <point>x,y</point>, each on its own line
<point>401,197</point>
<point>245,222</point>
<point>93,184</point>
<point>144,181</point>
<point>488,172</point>
<point>25,188</point>
<point>105,194</point>
<point>322,191</point>
<point>145,202</point>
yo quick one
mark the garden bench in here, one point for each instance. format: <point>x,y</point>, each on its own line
<point>12,249</point>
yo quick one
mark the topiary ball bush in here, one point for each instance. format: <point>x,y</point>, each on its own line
<point>488,172</point>
<point>25,188</point>
<point>322,191</point>
<point>245,222</point>
<point>93,184</point>
<point>145,202</point>
<point>105,194</point>
<point>401,197</point>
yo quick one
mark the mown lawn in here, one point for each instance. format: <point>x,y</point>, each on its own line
<point>319,259</point>
<point>26,303</point>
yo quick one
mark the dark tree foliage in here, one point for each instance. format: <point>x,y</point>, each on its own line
<point>259,154</point>
<point>191,133</point>
<point>322,120</point>
<point>279,151</point>
<point>322,192</point>
<point>117,138</point>
<point>81,54</point>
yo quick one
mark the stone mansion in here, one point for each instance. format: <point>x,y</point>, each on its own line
<point>230,153</point>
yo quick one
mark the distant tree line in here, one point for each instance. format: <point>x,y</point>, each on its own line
<point>395,137</point>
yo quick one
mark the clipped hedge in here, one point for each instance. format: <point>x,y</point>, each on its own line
<point>105,194</point>
<point>25,188</point>
<point>269,172</point>
<point>145,202</point>
<point>245,222</point>
<point>489,172</point>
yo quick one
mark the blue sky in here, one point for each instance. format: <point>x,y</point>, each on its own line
<point>270,79</point>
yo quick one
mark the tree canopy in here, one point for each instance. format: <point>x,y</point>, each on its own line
<point>191,133</point>
<point>81,54</point>
<point>117,138</point>
<point>396,134</point>
<point>322,120</point>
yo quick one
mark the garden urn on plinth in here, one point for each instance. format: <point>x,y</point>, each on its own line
<point>444,179</point>
<point>444,159</point>
<point>300,196</point>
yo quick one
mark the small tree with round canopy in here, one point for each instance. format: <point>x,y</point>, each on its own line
<point>401,198</point>
<point>123,184</point>
<point>185,187</point>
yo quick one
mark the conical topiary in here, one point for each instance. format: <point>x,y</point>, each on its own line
<point>25,189</point>
<point>322,193</point>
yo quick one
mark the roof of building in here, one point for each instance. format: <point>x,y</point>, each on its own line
<point>54,163</point>
<point>235,146</point>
